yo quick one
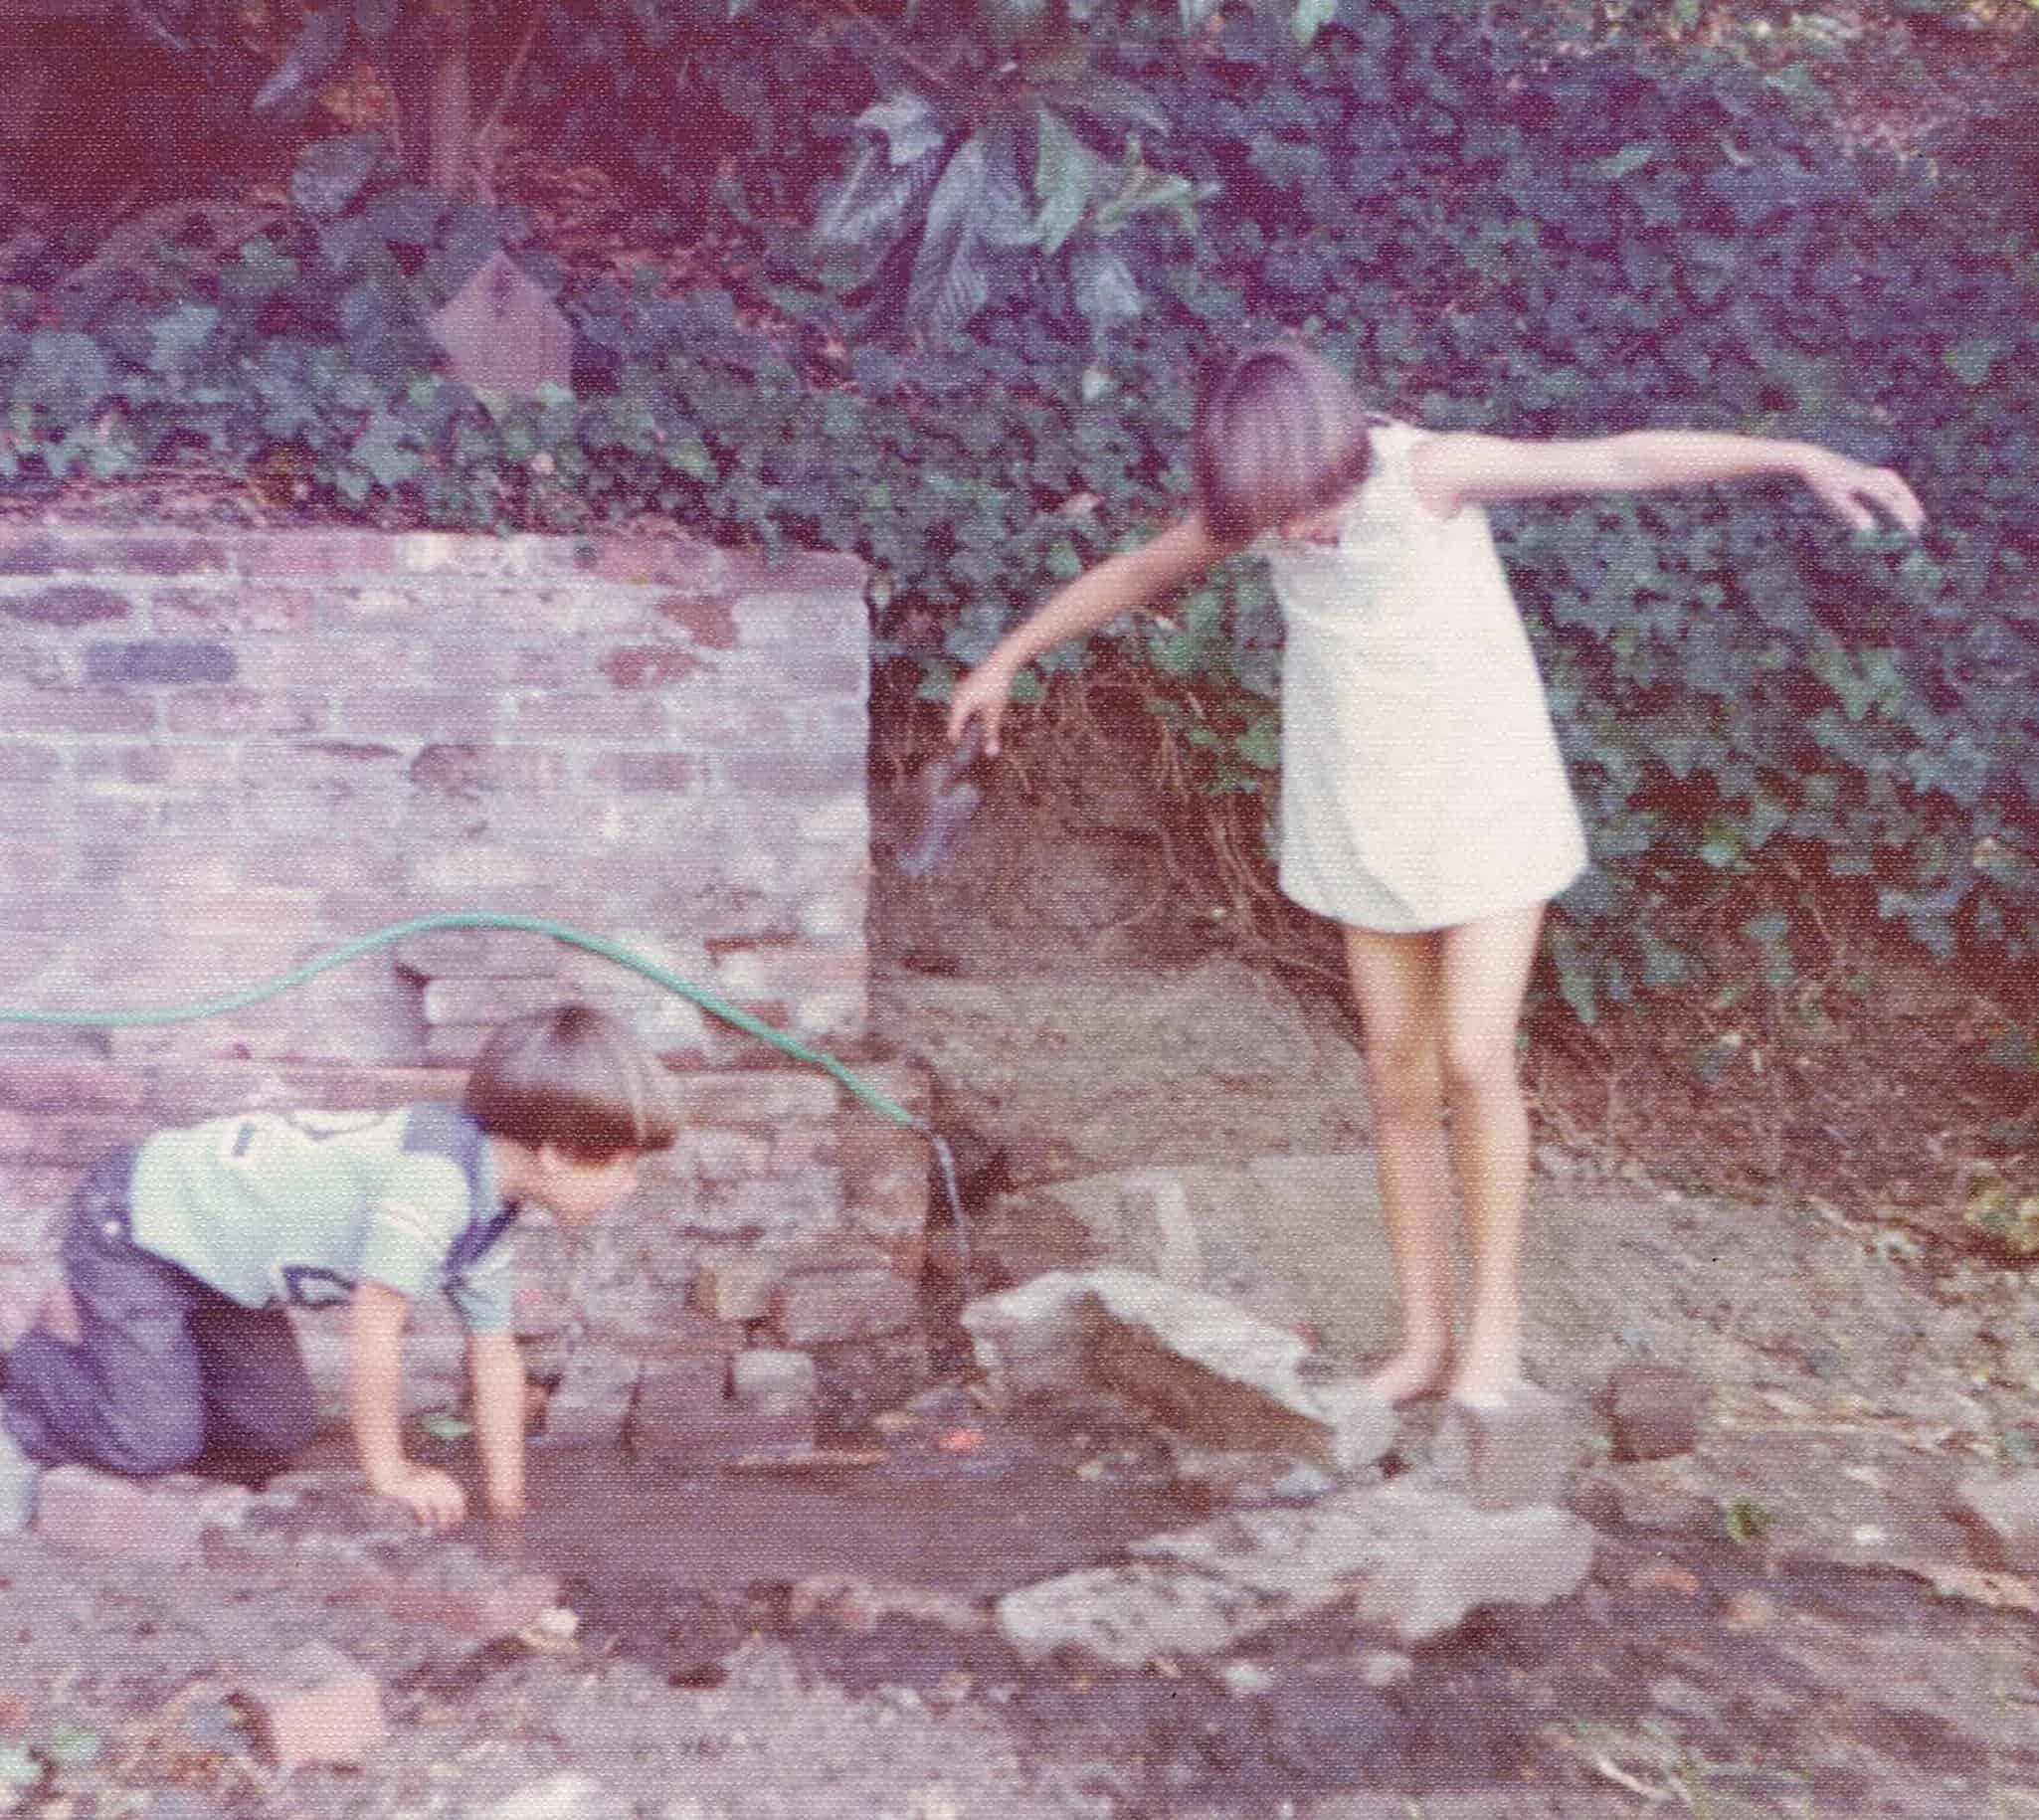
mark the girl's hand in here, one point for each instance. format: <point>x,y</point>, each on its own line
<point>981,695</point>
<point>434,1497</point>
<point>1849,489</point>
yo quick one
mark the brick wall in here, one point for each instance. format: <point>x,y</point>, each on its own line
<point>223,754</point>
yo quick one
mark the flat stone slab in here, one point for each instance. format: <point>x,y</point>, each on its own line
<point>1201,1365</point>
<point>1414,1558</point>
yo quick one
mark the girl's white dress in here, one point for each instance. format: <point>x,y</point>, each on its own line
<point>1421,784</point>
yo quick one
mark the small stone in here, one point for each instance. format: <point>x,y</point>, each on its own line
<point>1382,1669</point>
<point>1244,1680</point>
<point>1301,1484</point>
<point>565,1796</point>
<point>321,1709</point>
<point>1157,1229</point>
<point>836,1304</point>
<point>1655,1411</point>
<point>19,1478</point>
<point>1749,1611</point>
<point>770,1377</point>
<point>738,1285</point>
<point>2002,1519</point>
<point>1517,1452</point>
<point>594,1397</point>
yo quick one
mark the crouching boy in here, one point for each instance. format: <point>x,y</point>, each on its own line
<point>183,1256</point>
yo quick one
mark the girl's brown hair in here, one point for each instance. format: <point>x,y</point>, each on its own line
<point>574,1077</point>
<point>1279,432</point>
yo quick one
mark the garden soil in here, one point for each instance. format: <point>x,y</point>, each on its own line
<point>1784,1621</point>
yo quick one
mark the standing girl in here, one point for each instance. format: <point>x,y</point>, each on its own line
<point>1424,804</point>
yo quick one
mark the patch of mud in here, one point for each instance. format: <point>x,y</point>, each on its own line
<point>1690,1670</point>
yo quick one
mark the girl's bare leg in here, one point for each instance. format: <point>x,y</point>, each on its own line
<point>1397,986</point>
<point>1483,979</point>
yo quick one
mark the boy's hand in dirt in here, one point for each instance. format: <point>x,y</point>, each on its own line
<point>433,1497</point>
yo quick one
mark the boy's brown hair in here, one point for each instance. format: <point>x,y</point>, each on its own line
<point>574,1077</point>
<point>1280,433</point>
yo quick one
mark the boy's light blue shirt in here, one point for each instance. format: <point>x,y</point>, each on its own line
<point>300,1207</point>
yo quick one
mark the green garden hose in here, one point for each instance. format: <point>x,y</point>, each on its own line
<point>479,919</point>
<point>613,952</point>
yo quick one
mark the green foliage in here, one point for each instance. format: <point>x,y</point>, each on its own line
<point>1758,709</point>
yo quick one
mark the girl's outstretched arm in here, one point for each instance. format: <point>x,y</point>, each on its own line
<point>1456,469</point>
<point>1117,584</point>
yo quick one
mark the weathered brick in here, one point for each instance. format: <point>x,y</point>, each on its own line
<point>477,953</point>
<point>159,766</point>
<point>70,606</point>
<point>651,667</point>
<point>885,1174</point>
<point>158,1520</point>
<point>145,554</point>
<point>682,1385</point>
<point>318,1708</point>
<point>30,555</point>
<point>76,711</point>
<point>240,713</point>
<point>429,715</point>
<point>158,660</point>
<point>832,1305</point>
<point>592,1399</point>
<point>2002,1519</point>
<point>790,773</point>
<point>594,719</point>
<point>487,1001</point>
<point>675,772</point>
<point>737,1285</point>
<point>25,766</point>
<point>314,552</point>
<point>1654,1410</point>
<point>680,563</point>
<point>707,620</point>
<point>471,770</point>
<point>230,610</point>
<point>768,1378</point>
<point>1517,1452</point>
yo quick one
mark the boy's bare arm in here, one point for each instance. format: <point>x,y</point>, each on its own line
<point>375,1383</point>
<point>495,1376</point>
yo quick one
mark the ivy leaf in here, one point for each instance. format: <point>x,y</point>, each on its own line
<point>388,451</point>
<point>949,285</point>
<point>1062,168</point>
<point>876,197</point>
<point>1309,18</point>
<point>179,335</point>
<point>64,371</point>
<point>1972,360</point>
<point>312,57</point>
<point>333,172</point>
<point>1626,162</point>
<point>1107,293</point>
<point>910,126</point>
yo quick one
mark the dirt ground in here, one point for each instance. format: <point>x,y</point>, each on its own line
<point>1784,1622</point>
